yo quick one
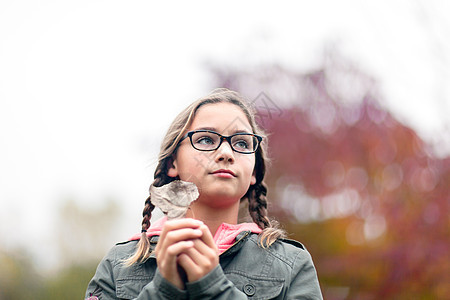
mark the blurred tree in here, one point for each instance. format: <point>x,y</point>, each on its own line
<point>363,191</point>
<point>82,238</point>
<point>85,234</point>
<point>69,283</point>
<point>17,272</point>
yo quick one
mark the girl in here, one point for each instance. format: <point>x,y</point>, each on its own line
<point>215,144</point>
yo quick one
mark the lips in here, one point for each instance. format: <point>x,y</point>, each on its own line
<point>224,172</point>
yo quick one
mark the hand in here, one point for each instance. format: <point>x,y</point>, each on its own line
<point>176,238</point>
<point>202,258</point>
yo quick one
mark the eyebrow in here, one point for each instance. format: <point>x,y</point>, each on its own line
<point>215,130</point>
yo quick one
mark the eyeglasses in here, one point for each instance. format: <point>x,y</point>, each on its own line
<point>207,140</point>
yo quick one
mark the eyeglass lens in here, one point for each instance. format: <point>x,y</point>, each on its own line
<point>210,141</point>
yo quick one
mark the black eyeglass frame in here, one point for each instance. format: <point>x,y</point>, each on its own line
<point>222,138</point>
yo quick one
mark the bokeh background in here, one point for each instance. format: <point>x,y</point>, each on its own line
<point>354,94</point>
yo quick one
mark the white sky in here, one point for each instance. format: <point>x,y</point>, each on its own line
<point>87,88</point>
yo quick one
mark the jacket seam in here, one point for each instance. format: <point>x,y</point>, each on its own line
<point>256,277</point>
<point>289,263</point>
<point>142,278</point>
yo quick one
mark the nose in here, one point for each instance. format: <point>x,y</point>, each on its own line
<point>225,153</point>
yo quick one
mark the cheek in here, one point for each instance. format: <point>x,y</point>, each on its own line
<point>252,168</point>
<point>201,161</point>
<point>196,162</point>
<point>249,166</point>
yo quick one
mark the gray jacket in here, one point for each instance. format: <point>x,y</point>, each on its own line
<point>247,271</point>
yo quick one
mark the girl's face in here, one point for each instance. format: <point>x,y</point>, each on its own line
<point>222,176</point>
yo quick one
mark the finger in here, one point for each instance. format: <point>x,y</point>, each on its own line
<point>181,223</point>
<point>207,237</point>
<point>167,263</point>
<point>193,271</point>
<point>179,247</point>
<point>197,264</point>
<point>196,256</point>
<point>175,236</point>
<point>203,249</point>
<point>202,254</point>
<point>175,225</point>
<point>169,256</point>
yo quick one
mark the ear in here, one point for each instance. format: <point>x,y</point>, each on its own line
<point>253,179</point>
<point>172,169</point>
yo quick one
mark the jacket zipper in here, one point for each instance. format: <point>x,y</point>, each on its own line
<point>235,243</point>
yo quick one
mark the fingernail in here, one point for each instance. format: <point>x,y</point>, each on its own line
<point>198,222</point>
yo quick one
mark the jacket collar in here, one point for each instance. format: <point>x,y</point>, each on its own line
<point>225,236</point>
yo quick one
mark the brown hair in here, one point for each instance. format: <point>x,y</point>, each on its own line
<point>256,194</point>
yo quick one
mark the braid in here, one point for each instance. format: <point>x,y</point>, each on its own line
<point>148,208</point>
<point>147,214</point>
<point>257,205</point>
<point>143,248</point>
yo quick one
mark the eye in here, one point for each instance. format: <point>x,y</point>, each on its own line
<point>204,140</point>
<point>243,142</point>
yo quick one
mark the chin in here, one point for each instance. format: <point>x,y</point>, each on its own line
<point>221,200</point>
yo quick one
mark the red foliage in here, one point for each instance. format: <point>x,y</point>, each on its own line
<point>361,189</point>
